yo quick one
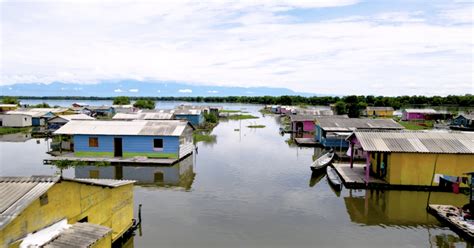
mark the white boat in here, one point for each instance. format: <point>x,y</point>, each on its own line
<point>322,161</point>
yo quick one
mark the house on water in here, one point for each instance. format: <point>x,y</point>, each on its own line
<point>333,131</point>
<point>463,122</point>
<point>106,111</point>
<point>425,114</point>
<point>14,119</point>
<point>416,158</point>
<point>194,116</point>
<point>40,210</point>
<point>379,111</point>
<point>59,121</point>
<point>302,123</point>
<point>133,140</point>
<point>144,115</point>
<point>39,116</point>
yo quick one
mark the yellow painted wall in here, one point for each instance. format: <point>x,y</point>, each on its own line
<point>111,207</point>
<point>105,242</point>
<point>380,113</point>
<point>417,168</point>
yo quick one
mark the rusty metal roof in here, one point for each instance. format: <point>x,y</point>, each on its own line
<point>351,124</point>
<point>137,127</point>
<point>79,235</point>
<point>416,141</point>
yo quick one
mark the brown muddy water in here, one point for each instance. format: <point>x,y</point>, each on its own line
<point>250,188</point>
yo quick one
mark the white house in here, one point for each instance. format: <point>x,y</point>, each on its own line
<point>15,120</point>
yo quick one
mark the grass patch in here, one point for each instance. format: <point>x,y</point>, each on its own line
<point>229,111</point>
<point>417,125</point>
<point>256,126</point>
<point>242,117</point>
<point>8,130</point>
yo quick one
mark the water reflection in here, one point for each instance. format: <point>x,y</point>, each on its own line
<point>15,137</point>
<point>180,174</point>
<point>400,208</point>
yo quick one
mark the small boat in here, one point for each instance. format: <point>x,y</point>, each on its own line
<point>322,161</point>
<point>333,178</point>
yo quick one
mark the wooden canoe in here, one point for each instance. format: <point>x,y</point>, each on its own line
<point>334,178</point>
<point>322,161</point>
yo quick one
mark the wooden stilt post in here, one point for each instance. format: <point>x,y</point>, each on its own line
<point>367,169</point>
<point>352,155</point>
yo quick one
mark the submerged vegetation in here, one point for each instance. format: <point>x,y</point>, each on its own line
<point>9,130</point>
<point>242,117</point>
<point>229,111</point>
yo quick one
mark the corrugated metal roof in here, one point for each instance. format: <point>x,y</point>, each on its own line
<point>137,127</point>
<point>143,116</point>
<point>17,193</point>
<point>467,116</point>
<point>416,141</point>
<point>371,108</point>
<point>303,117</point>
<point>113,183</point>
<point>71,117</point>
<point>350,124</point>
<point>79,235</point>
<point>425,111</point>
<point>186,111</point>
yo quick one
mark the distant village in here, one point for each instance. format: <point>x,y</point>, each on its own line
<point>406,149</point>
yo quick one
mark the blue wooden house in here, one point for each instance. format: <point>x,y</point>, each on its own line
<point>157,139</point>
<point>194,116</point>
<point>463,122</point>
<point>332,131</point>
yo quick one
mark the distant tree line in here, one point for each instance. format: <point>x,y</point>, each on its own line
<point>348,102</point>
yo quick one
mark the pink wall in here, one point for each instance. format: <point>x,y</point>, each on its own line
<point>308,126</point>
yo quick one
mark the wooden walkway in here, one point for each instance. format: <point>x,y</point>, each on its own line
<point>451,216</point>
<point>354,178</point>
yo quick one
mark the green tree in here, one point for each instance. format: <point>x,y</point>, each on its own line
<point>211,118</point>
<point>10,100</point>
<point>340,108</point>
<point>121,100</point>
<point>144,104</point>
<point>41,105</point>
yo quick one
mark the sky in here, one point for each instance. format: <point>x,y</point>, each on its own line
<point>405,47</point>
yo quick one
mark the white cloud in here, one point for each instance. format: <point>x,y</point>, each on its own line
<point>185,91</point>
<point>234,43</point>
<point>159,91</point>
<point>118,90</point>
<point>133,90</point>
<point>212,91</point>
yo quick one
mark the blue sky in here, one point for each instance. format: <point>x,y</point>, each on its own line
<point>321,46</point>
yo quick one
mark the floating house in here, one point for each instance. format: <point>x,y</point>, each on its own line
<point>194,116</point>
<point>106,111</point>
<point>416,158</point>
<point>39,116</point>
<point>463,122</point>
<point>424,114</point>
<point>144,115</point>
<point>59,121</point>
<point>332,131</point>
<point>313,111</point>
<point>302,123</point>
<point>15,120</point>
<point>7,107</point>
<point>39,211</point>
<point>204,109</point>
<point>379,111</point>
<point>141,139</point>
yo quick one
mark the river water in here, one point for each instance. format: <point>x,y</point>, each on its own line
<point>251,188</point>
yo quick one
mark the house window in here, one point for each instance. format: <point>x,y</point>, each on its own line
<point>157,144</point>
<point>43,199</point>
<point>93,142</point>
